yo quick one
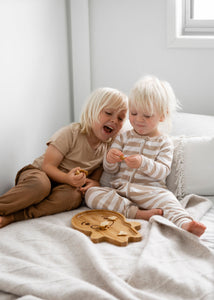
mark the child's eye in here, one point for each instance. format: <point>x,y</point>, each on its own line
<point>133,113</point>
<point>108,113</point>
<point>147,116</point>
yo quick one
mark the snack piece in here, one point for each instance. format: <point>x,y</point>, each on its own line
<point>112,218</point>
<point>122,233</point>
<point>104,225</point>
<point>122,157</point>
<point>81,171</point>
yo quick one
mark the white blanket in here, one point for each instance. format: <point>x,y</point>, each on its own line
<point>46,259</point>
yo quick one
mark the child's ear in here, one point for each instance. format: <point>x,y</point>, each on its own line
<point>162,118</point>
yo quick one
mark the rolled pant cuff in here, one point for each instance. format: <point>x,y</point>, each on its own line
<point>131,211</point>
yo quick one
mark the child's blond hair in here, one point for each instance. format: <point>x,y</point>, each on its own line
<point>101,98</point>
<point>151,94</point>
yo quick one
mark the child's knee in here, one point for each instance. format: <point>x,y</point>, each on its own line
<point>66,196</point>
<point>42,185</point>
<point>75,200</point>
<point>36,182</point>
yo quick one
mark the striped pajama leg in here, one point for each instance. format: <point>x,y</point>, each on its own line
<point>110,199</point>
<point>147,197</point>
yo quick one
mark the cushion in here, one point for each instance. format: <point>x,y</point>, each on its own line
<point>192,124</point>
<point>192,166</point>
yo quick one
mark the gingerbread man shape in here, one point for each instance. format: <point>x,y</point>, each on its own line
<point>105,225</point>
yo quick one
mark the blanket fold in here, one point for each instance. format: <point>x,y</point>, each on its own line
<point>47,259</point>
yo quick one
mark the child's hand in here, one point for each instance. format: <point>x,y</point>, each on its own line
<point>74,179</point>
<point>134,161</point>
<point>89,183</point>
<point>114,156</point>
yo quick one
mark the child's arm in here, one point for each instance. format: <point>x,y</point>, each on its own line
<point>92,180</point>
<point>158,168</point>
<point>133,161</point>
<point>114,156</point>
<point>88,184</point>
<point>161,166</point>
<point>111,161</point>
<point>52,160</point>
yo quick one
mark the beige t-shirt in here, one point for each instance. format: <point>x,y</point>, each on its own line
<point>75,149</point>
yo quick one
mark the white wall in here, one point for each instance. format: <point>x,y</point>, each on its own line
<point>128,39</point>
<point>112,43</point>
<point>34,80</point>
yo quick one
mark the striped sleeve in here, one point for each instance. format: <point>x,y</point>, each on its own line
<point>109,167</point>
<point>160,167</point>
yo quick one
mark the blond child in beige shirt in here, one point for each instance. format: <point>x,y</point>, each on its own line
<point>52,184</point>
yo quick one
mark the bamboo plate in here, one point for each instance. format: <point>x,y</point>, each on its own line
<point>105,225</point>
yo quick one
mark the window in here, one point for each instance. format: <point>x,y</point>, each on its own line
<point>191,23</point>
<point>203,9</point>
<point>199,17</point>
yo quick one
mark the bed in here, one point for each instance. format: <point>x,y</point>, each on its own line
<point>46,258</point>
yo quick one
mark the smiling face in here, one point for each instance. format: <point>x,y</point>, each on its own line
<point>109,124</point>
<point>145,123</point>
<point>103,115</point>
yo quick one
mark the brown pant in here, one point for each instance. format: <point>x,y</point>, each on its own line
<point>35,195</point>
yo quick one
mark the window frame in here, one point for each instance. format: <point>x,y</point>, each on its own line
<point>196,26</point>
<point>185,32</point>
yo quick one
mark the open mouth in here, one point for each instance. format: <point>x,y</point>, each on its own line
<point>108,129</point>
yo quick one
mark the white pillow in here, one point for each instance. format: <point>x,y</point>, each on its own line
<point>192,166</point>
<point>192,125</point>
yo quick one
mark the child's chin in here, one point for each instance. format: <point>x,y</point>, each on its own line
<point>141,132</point>
<point>107,138</point>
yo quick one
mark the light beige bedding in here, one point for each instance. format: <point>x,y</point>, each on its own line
<point>46,259</point>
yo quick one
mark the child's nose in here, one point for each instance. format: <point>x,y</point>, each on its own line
<point>114,119</point>
<point>140,118</point>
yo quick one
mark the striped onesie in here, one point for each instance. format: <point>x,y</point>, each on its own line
<point>144,187</point>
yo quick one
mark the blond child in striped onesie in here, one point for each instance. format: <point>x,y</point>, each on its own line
<point>141,161</point>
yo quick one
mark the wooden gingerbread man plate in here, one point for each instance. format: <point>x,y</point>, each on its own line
<point>105,225</point>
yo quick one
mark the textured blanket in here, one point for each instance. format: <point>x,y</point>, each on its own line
<point>46,259</point>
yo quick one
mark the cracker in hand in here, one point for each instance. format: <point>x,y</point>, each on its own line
<point>122,157</point>
<point>81,171</point>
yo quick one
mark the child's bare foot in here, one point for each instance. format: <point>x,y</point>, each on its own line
<point>194,227</point>
<point>6,220</point>
<point>148,213</point>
